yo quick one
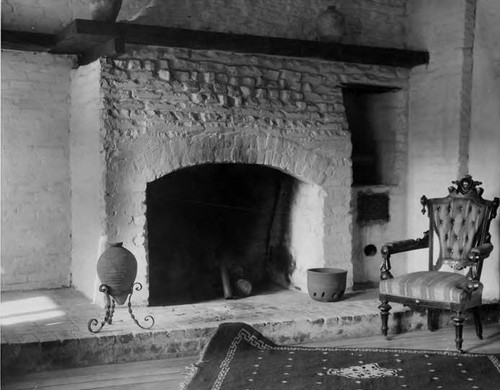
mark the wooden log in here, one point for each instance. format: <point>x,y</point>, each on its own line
<point>226,282</point>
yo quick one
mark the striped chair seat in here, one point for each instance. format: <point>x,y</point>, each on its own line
<point>433,286</point>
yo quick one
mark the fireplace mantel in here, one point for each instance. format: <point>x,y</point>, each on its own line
<point>92,39</point>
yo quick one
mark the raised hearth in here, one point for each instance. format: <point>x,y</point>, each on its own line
<point>47,329</point>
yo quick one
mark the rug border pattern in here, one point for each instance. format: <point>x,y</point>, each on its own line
<point>243,334</point>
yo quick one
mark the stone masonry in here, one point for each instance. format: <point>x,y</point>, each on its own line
<point>67,219</point>
<point>165,109</point>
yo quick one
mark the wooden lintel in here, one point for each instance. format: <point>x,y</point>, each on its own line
<point>238,43</point>
<point>84,37</point>
<point>110,48</point>
<point>27,41</point>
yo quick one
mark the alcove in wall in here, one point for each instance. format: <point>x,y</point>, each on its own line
<point>372,113</point>
<point>376,119</point>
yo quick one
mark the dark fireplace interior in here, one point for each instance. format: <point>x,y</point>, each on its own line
<point>204,218</point>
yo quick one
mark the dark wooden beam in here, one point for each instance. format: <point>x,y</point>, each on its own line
<point>27,41</point>
<point>81,36</point>
<point>368,88</point>
<point>110,48</point>
<point>209,40</point>
<point>91,39</point>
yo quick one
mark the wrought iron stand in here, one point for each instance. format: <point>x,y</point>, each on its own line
<point>93,324</point>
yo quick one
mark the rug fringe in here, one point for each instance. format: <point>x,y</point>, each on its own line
<point>193,369</point>
<point>191,372</point>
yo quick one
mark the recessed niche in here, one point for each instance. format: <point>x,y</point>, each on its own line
<point>373,207</point>
<point>372,116</point>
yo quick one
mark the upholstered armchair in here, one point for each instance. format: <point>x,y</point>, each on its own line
<point>459,224</point>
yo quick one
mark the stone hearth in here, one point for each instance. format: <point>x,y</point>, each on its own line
<point>47,329</point>
<point>56,335</point>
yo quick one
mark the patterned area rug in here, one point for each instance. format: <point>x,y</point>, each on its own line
<point>239,357</point>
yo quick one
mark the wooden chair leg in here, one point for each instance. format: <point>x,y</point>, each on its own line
<point>432,319</point>
<point>477,323</point>
<point>384,314</point>
<point>458,320</point>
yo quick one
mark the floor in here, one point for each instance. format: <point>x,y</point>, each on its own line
<point>51,325</point>
<point>169,374</point>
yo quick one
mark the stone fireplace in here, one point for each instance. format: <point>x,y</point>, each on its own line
<point>263,137</point>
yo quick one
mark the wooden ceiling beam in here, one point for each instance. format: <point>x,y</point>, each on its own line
<point>27,41</point>
<point>90,39</point>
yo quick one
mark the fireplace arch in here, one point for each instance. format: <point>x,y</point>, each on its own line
<point>160,157</point>
<point>145,160</point>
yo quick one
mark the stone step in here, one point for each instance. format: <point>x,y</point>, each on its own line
<point>47,329</point>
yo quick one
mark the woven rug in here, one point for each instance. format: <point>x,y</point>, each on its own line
<point>239,357</point>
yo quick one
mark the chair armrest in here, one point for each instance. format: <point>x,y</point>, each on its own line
<point>474,260</point>
<point>397,247</point>
<point>474,256</point>
<point>405,245</point>
<point>480,252</point>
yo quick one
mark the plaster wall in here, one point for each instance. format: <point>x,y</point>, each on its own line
<point>372,22</point>
<point>451,111</point>
<point>87,176</point>
<point>484,158</point>
<point>47,16</point>
<point>307,233</point>
<point>435,113</point>
<point>35,175</point>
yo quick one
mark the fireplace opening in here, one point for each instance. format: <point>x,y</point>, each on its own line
<point>237,217</point>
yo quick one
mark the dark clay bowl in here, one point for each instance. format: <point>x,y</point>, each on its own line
<point>326,284</point>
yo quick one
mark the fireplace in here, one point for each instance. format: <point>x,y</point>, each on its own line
<point>149,117</point>
<point>239,216</point>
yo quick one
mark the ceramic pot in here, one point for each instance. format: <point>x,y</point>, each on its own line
<point>244,287</point>
<point>326,284</point>
<point>117,269</point>
<point>105,10</point>
<point>330,25</point>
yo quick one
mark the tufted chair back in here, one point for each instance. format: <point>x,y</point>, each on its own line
<point>460,222</point>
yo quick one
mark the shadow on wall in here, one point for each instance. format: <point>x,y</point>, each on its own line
<point>213,215</point>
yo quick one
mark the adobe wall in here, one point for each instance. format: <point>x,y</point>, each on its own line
<point>36,215</point>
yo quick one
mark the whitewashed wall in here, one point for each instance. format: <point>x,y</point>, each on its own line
<point>35,171</point>
<point>484,163</point>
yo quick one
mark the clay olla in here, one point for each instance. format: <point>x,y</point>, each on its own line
<point>117,269</point>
